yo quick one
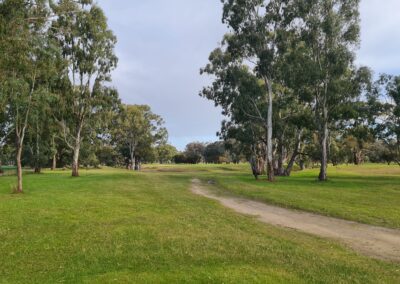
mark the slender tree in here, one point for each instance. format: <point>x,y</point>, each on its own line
<point>23,43</point>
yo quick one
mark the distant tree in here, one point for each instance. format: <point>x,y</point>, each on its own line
<point>166,153</point>
<point>215,153</point>
<point>108,156</point>
<point>194,152</point>
<point>180,158</point>
<point>137,132</point>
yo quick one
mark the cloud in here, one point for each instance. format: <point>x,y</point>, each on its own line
<point>380,35</point>
<point>163,44</point>
<point>161,47</point>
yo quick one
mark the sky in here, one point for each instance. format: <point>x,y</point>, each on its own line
<point>163,44</point>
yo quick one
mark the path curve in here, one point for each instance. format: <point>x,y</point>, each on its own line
<point>377,242</point>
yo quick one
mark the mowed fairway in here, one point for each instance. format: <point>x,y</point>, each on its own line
<point>368,194</point>
<point>116,226</point>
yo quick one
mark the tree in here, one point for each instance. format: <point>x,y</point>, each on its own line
<point>215,153</point>
<point>250,69</point>
<point>388,89</point>
<point>194,152</point>
<point>241,95</point>
<point>166,153</point>
<point>24,46</point>
<point>87,46</point>
<point>138,131</point>
<point>258,28</point>
<point>330,33</point>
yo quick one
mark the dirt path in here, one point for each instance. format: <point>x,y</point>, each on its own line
<point>373,241</point>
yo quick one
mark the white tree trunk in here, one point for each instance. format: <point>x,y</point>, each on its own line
<point>323,175</point>
<point>270,161</point>
<point>75,158</point>
<point>19,188</point>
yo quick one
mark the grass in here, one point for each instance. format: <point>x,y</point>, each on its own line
<point>369,194</point>
<point>114,226</point>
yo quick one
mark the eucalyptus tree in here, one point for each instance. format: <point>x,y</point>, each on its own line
<point>87,46</point>
<point>138,130</point>
<point>166,153</point>
<point>387,95</point>
<point>194,152</point>
<point>241,95</point>
<point>258,35</point>
<point>330,33</point>
<point>24,47</point>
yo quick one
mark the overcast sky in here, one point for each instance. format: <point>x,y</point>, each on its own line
<point>163,44</point>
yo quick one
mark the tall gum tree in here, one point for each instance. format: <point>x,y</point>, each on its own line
<point>87,46</point>
<point>330,31</point>
<point>257,29</point>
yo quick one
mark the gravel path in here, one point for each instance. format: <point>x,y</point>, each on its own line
<point>373,241</point>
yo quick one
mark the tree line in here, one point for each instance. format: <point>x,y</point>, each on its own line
<point>286,79</point>
<point>57,105</point>
<point>284,75</point>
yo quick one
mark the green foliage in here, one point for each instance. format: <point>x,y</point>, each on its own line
<point>215,153</point>
<point>166,153</point>
<point>137,132</point>
<point>87,48</point>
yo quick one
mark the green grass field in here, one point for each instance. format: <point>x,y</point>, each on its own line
<point>113,226</point>
<point>368,194</point>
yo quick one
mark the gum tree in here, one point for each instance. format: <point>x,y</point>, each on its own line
<point>87,46</point>
<point>137,130</point>
<point>258,31</point>
<point>24,46</point>
<point>330,33</point>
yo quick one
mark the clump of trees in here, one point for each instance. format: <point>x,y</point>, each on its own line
<point>57,107</point>
<point>209,153</point>
<point>286,80</point>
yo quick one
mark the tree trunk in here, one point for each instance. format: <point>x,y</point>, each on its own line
<point>257,165</point>
<point>357,157</point>
<point>280,171</point>
<point>54,151</point>
<point>138,165</point>
<point>19,188</point>
<point>302,165</point>
<point>296,153</point>
<point>323,176</point>
<point>270,166</point>
<point>133,161</point>
<point>54,163</point>
<point>75,160</point>
<point>38,168</point>
<point>77,149</point>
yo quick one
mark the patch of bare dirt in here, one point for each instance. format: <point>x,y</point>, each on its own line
<point>377,242</point>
